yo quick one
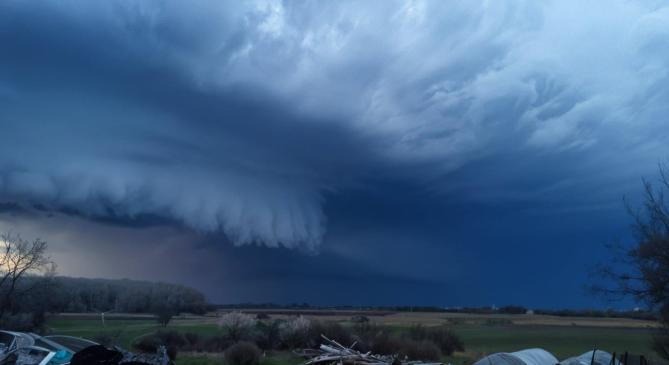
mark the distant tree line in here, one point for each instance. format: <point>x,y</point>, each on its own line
<point>609,313</point>
<point>598,313</point>
<point>29,288</point>
<point>60,294</point>
<point>303,308</point>
<point>80,295</point>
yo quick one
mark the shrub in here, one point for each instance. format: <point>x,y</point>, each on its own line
<point>216,343</point>
<point>385,344</point>
<point>364,330</point>
<point>375,338</point>
<point>359,319</point>
<point>268,335</point>
<point>25,322</point>
<point>447,341</point>
<point>331,330</point>
<point>441,336</point>
<point>147,344</point>
<point>172,340</point>
<point>417,332</point>
<point>262,316</point>
<point>420,350</point>
<point>295,332</point>
<point>417,342</point>
<point>194,342</point>
<point>242,353</point>
<point>237,325</point>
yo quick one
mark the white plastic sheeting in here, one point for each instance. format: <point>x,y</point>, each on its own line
<point>536,357</point>
<point>601,358</point>
<point>524,357</point>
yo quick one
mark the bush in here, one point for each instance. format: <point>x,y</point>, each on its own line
<point>359,319</point>
<point>242,353</point>
<point>268,335</point>
<point>375,338</point>
<point>417,342</point>
<point>385,344</point>
<point>172,340</point>
<point>238,325</point>
<point>441,336</point>
<point>217,343</point>
<point>23,322</point>
<point>420,350</point>
<point>364,330</point>
<point>295,333</point>
<point>194,342</point>
<point>262,316</point>
<point>331,330</point>
<point>147,344</point>
<point>417,332</point>
<point>447,341</point>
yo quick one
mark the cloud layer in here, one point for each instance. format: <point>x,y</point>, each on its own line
<point>243,117</point>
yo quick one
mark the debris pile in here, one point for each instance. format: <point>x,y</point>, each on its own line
<point>333,353</point>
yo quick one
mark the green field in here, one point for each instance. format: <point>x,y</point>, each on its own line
<point>563,339</point>
<point>126,331</point>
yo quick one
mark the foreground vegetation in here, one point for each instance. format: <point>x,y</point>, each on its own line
<point>481,335</point>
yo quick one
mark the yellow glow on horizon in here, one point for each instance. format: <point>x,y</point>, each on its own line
<point>3,264</point>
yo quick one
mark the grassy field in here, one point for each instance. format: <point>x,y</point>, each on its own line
<point>482,334</point>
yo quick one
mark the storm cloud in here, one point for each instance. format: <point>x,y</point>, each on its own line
<point>246,118</point>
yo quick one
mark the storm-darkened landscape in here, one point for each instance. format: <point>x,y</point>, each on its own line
<point>334,182</point>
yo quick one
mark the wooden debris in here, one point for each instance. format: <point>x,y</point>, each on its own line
<point>333,353</point>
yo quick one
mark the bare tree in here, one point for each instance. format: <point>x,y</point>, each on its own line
<point>645,265</point>
<point>18,259</point>
<point>642,269</point>
<point>164,313</point>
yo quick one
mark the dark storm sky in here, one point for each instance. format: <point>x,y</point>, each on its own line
<point>412,152</point>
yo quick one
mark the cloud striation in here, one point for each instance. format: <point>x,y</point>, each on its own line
<point>242,117</point>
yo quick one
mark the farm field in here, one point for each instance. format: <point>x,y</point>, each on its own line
<point>482,334</point>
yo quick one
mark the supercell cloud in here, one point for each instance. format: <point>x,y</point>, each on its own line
<point>243,118</point>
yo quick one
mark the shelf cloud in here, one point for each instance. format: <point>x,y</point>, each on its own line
<point>244,118</point>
